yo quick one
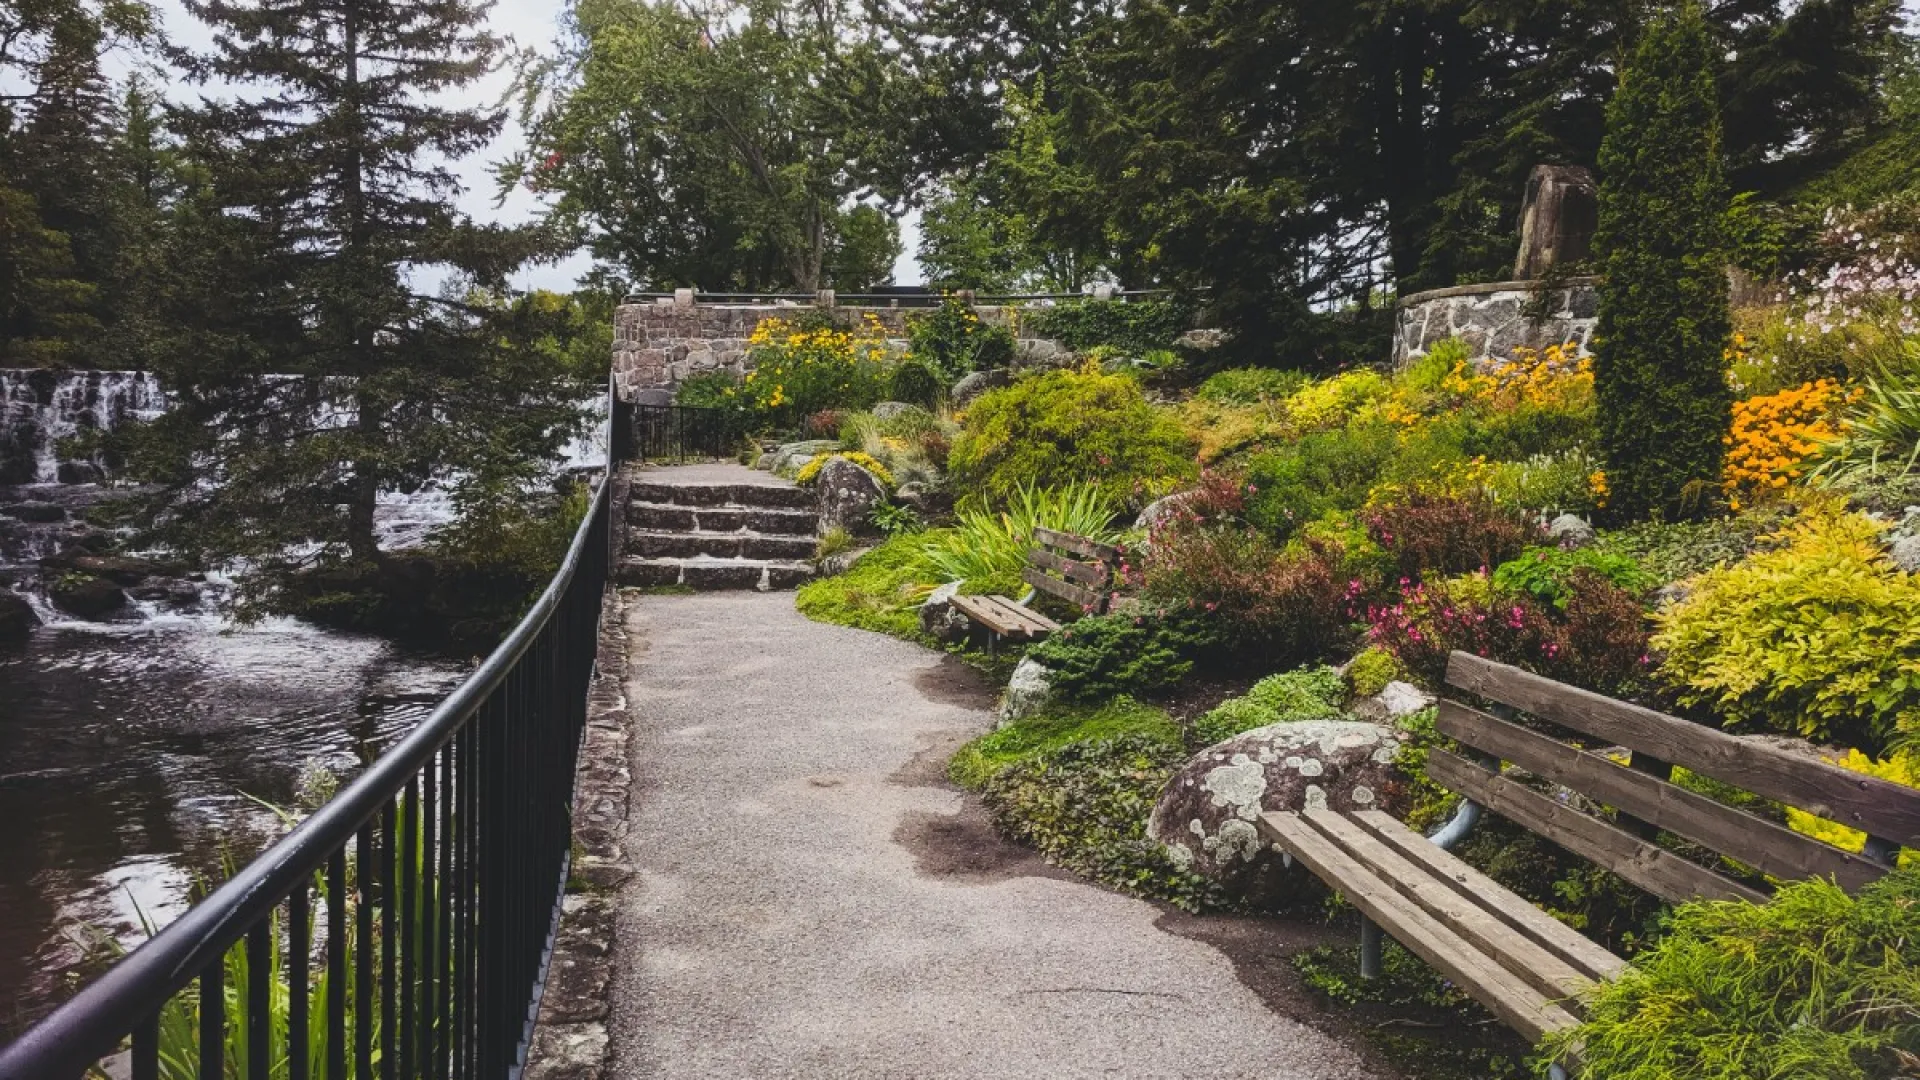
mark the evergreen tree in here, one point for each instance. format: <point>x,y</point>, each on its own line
<point>1660,376</point>
<point>312,373</point>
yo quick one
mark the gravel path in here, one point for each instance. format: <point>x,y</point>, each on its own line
<point>782,922</point>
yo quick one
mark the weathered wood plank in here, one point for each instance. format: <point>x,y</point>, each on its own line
<point>1654,869</point>
<point>1085,599</point>
<point>1586,957</point>
<point>1762,844</point>
<point>1013,611</point>
<point>992,613</point>
<point>1518,1005</point>
<point>1546,972</point>
<point>1094,574</point>
<point>1078,545</point>
<point>1866,803</point>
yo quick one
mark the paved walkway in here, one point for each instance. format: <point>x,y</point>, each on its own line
<point>789,920</point>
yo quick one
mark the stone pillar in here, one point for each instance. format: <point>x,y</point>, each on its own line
<point>1105,291</point>
<point>824,298</point>
<point>1557,220</point>
<point>683,298</point>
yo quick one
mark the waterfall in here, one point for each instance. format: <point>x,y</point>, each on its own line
<point>39,408</point>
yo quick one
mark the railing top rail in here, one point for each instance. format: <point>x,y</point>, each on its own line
<point>90,1025</point>
<point>925,299</point>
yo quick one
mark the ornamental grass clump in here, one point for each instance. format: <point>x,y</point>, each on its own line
<point>1812,985</point>
<point>1819,638</point>
<point>988,548</point>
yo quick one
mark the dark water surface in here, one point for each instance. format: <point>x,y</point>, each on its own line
<point>131,753</point>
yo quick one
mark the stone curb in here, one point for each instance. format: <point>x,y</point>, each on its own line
<point>570,1039</point>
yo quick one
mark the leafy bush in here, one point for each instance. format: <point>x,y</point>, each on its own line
<point>1313,693</point>
<point>916,384</point>
<point>797,371</point>
<point>1371,671</point>
<point>1025,740</point>
<point>1902,768</point>
<point>811,470</point>
<point>1065,427</point>
<point>1546,573</point>
<point>1820,638</point>
<point>1674,551</point>
<point>1104,656</point>
<point>986,547</point>
<point>1324,471</point>
<point>1430,533</point>
<point>1545,483</point>
<point>952,341</point>
<point>1085,807</point>
<point>1660,365</point>
<point>1250,386</point>
<point>878,592</point>
<point>1879,435</point>
<point>1814,985</point>
<point>1330,402</point>
<point>896,519</point>
<point>1134,327</point>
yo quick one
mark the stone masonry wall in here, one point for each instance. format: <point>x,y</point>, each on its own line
<point>1496,318</point>
<point>657,345</point>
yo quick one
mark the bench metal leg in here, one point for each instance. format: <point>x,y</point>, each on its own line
<point>1555,1072</point>
<point>1369,948</point>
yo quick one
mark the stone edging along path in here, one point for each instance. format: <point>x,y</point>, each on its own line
<point>570,1040</point>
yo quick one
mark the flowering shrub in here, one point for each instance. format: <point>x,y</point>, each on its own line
<point>1819,638</point>
<point>811,470</point>
<point>1556,377</point>
<point>952,341</point>
<point>1774,435</point>
<point>1437,533</point>
<point>798,371</point>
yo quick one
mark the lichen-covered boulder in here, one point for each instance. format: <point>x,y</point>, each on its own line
<point>1028,692</point>
<point>972,386</point>
<point>889,410</point>
<point>17,619</point>
<point>788,458</point>
<point>847,495</point>
<point>939,619</point>
<point>1161,510</point>
<point>1396,700</point>
<point>1206,813</point>
<point>1570,531</point>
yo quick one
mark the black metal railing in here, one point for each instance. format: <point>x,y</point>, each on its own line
<point>403,930</point>
<point>681,433</point>
<point>900,299</point>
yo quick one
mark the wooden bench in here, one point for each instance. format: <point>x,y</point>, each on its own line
<point>1051,568</point>
<point>1524,966</point>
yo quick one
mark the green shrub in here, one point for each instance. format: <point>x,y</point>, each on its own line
<point>992,547</point>
<point>1250,386</point>
<point>1104,656</point>
<point>1313,693</point>
<point>1545,483</point>
<point>952,341</point>
<point>878,592</point>
<point>798,372</point>
<point>1324,471</point>
<point>1820,638</point>
<point>1660,373</point>
<point>916,384</point>
<point>1429,373</point>
<point>1085,807</point>
<point>1813,985</point>
<point>1134,327</point>
<point>1025,740</point>
<point>1545,573</point>
<point>1675,551</point>
<point>896,519</point>
<point>1332,402</point>
<point>1064,427</point>
<point>1371,671</point>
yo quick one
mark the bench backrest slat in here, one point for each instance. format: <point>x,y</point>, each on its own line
<point>1078,545</point>
<point>1641,862</point>
<point>1093,574</point>
<point>1869,804</point>
<point>1762,844</point>
<point>1085,599</point>
<point>1084,584</point>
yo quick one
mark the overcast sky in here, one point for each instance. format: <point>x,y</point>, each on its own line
<point>528,23</point>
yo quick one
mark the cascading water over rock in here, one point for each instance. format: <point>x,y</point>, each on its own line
<point>39,408</point>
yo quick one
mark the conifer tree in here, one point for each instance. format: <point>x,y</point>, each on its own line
<point>313,371</point>
<point>1660,374</point>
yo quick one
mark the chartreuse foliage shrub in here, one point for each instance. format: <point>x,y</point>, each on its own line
<point>1310,693</point>
<point>1546,573</point>
<point>1137,652</point>
<point>1820,638</point>
<point>1371,671</point>
<point>1901,768</point>
<point>1067,427</point>
<point>1085,805</point>
<point>989,546</point>
<point>1660,366</point>
<point>1025,740</point>
<point>1324,471</point>
<point>811,470</point>
<point>1812,985</point>
<point>878,592</point>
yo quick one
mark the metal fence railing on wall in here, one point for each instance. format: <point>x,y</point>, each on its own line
<point>680,433</point>
<point>404,929</point>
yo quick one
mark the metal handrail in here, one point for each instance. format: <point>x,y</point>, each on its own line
<point>94,1023</point>
<point>925,299</point>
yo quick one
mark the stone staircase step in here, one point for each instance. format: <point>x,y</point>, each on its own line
<point>713,575</point>
<point>764,496</point>
<point>656,517</point>
<point>716,545</point>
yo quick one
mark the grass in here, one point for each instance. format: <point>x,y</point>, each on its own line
<point>978,761</point>
<point>880,592</point>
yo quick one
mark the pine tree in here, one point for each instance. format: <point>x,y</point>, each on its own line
<point>1659,369</point>
<point>313,374</point>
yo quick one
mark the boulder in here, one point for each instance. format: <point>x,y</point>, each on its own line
<point>38,512</point>
<point>888,410</point>
<point>788,458</point>
<point>1159,510</point>
<point>930,502</point>
<point>938,618</point>
<point>1906,554</point>
<point>79,472</point>
<point>972,386</point>
<point>17,619</point>
<point>1570,531</point>
<point>1029,692</point>
<point>847,495</point>
<point>86,597</point>
<point>1206,813</point>
<point>1398,699</point>
<point>1203,339</point>
<point>122,569</point>
<point>1040,354</point>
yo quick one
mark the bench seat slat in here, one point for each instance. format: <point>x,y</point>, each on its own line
<point>1542,969</point>
<point>1652,868</point>
<point>1871,805</point>
<point>1004,617</point>
<point>1517,1004</point>
<point>1586,957</point>
<point>1770,848</point>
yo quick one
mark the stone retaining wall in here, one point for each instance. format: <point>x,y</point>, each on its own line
<point>1496,318</point>
<point>657,345</point>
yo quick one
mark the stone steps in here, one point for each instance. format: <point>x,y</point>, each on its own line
<point>667,517</point>
<point>710,574</point>
<point>738,496</point>
<point>710,532</point>
<point>717,545</point>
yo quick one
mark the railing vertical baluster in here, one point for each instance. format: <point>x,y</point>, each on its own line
<point>337,973</point>
<point>443,967</point>
<point>365,863</point>
<point>407,989</point>
<point>429,908</point>
<point>389,935</point>
<point>259,988</point>
<point>146,1049</point>
<point>213,1021</point>
<point>299,946</point>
